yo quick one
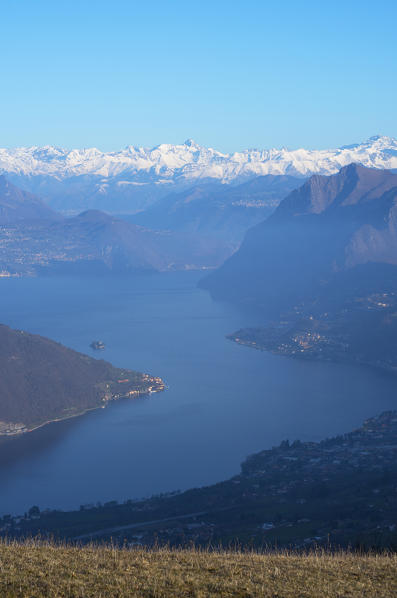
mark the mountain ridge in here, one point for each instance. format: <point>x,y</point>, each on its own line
<point>226,211</point>
<point>135,177</point>
<point>167,159</point>
<point>329,225</point>
<point>36,240</point>
<point>17,205</point>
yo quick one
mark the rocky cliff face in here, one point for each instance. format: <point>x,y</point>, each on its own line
<point>330,224</point>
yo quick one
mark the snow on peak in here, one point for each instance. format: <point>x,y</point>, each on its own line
<point>191,143</point>
<point>190,161</point>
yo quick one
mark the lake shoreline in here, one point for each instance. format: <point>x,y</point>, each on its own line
<point>166,325</point>
<point>24,431</point>
<point>313,357</point>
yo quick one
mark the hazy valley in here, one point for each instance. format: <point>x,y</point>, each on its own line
<point>310,263</point>
<point>198,339</point>
<point>34,240</point>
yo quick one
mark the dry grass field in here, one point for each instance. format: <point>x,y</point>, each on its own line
<point>36,569</point>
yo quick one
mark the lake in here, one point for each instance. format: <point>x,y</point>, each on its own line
<point>223,401</point>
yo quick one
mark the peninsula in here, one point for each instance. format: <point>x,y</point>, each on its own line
<point>42,381</point>
<point>360,329</point>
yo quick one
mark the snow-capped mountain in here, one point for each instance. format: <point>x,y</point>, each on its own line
<point>135,177</point>
<point>191,161</point>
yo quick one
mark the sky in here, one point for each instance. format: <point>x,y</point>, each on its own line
<point>229,74</point>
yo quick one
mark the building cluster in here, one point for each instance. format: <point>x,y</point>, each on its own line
<point>372,446</point>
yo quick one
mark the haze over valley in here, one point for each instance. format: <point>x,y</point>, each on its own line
<point>311,275</point>
<point>198,339</point>
<point>35,239</point>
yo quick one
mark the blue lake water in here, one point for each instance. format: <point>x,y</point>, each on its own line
<point>224,401</point>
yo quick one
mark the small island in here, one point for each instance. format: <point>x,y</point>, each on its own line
<point>41,381</point>
<point>97,345</point>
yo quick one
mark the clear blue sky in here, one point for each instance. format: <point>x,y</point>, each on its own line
<point>230,74</point>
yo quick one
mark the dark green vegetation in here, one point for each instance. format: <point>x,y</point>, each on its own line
<point>41,381</point>
<point>37,570</point>
<point>339,492</point>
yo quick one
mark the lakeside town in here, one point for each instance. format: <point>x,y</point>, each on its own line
<point>128,385</point>
<point>348,333</point>
<point>24,253</point>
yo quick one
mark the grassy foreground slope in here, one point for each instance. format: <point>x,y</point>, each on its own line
<point>38,570</point>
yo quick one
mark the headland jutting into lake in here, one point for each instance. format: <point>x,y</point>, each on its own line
<point>42,381</point>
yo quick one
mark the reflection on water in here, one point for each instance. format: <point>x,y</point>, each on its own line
<point>224,401</point>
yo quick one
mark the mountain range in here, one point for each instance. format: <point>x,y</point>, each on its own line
<point>134,178</point>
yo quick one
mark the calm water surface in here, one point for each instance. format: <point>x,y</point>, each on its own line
<point>224,401</point>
